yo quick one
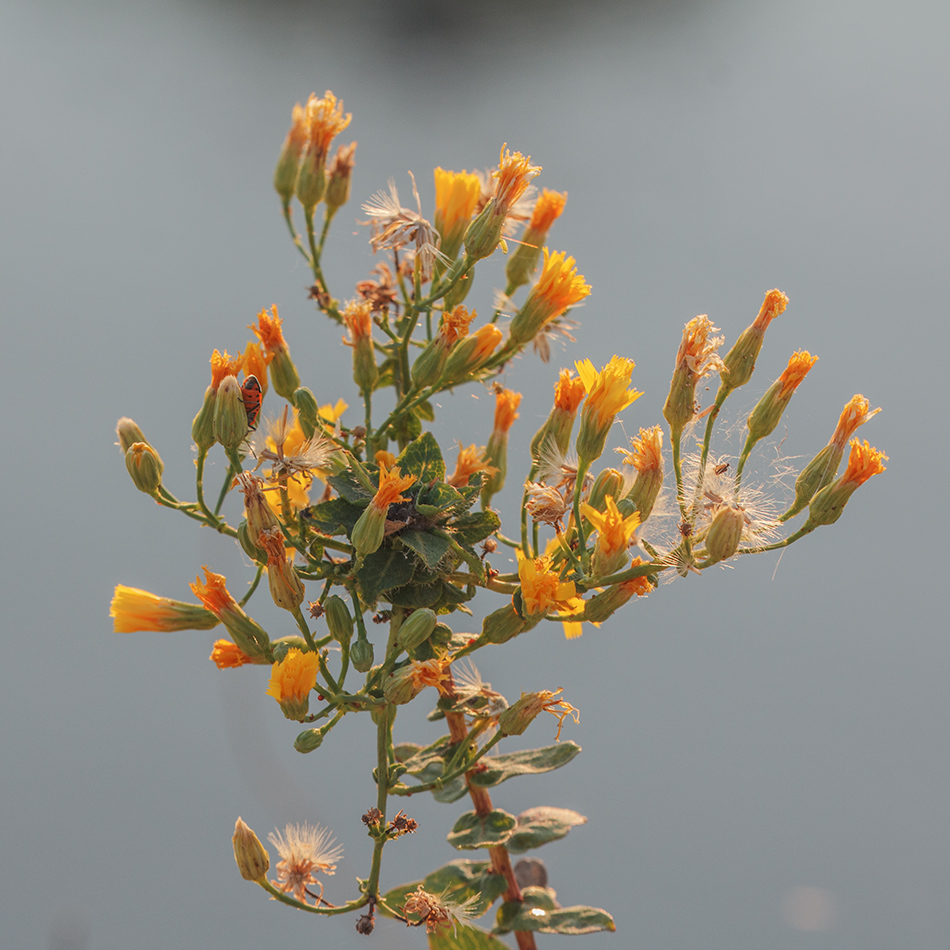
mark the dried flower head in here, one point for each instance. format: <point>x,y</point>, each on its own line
<point>305,851</point>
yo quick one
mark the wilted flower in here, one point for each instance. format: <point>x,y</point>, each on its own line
<point>305,851</point>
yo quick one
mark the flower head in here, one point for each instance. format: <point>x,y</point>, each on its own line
<point>541,588</point>
<point>506,404</point>
<point>863,462</point>
<point>514,720</point>
<point>558,287</point>
<point>292,680</point>
<point>512,177</point>
<point>358,319</point>
<point>569,391</point>
<point>647,450</point>
<point>857,411</point>
<point>227,655</point>
<point>325,120</point>
<point>391,486</point>
<point>224,365</point>
<point>305,851</point>
<point>614,535</point>
<point>268,330</point>
<point>799,364</point>
<point>547,209</point>
<point>607,392</point>
<point>133,609</point>
<point>775,303</point>
<point>456,200</point>
<point>471,459</point>
<point>437,911</point>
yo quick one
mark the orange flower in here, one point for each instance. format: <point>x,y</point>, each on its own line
<point>433,672</point>
<point>855,413</point>
<point>268,331</point>
<point>798,366</point>
<point>455,324</point>
<point>513,175</point>
<point>568,391</point>
<point>359,321</point>
<point>470,461</point>
<point>863,462</point>
<point>775,303</point>
<point>224,365</point>
<point>325,120</point>
<point>246,633</point>
<point>213,593</point>
<point>391,486</point>
<point>647,454</point>
<point>292,680</point>
<point>547,210</point>
<point>255,364</point>
<point>506,402</point>
<point>227,655</point>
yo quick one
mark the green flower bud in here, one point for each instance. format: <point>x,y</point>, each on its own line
<point>725,533</point>
<point>252,858</point>
<point>339,620</point>
<point>307,410</point>
<point>400,687</point>
<point>369,529</point>
<point>284,645</point>
<point>202,428</point>
<point>340,176</point>
<point>247,545</point>
<point>361,656</point>
<point>145,466</point>
<point>484,233</point>
<point>128,434</point>
<point>817,474</point>
<point>311,184</point>
<point>308,740</point>
<point>230,416</point>
<point>608,482</point>
<point>502,624</point>
<point>283,374</point>
<point>416,628</point>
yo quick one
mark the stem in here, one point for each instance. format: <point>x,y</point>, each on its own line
<point>288,217</point>
<point>382,785</point>
<point>253,587</point>
<point>582,466</point>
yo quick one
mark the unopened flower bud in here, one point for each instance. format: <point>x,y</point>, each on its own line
<point>484,233</point>
<point>145,466</point>
<point>828,504</point>
<point>307,410</point>
<point>128,434</point>
<point>202,428</point>
<point>230,415</point>
<point>725,533</point>
<point>607,482</point>
<point>817,474</point>
<point>503,624</point>
<point>517,717</point>
<point>285,174</point>
<point>308,740</point>
<point>400,687</point>
<point>369,530</point>
<point>339,176</point>
<point>361,656</point>
<point>739,363</point>
<point>247,545</point>
<point>416,628</point>
<point>251,856</point>
<point>339,620</point>
<point>283,646</point>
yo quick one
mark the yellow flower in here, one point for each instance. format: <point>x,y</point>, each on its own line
<point>541,589</point>
<point>292,680</point>
<point>607,392</point>
<point>331,412</point>
<point>133,609</point>
<point>558,287</point>
<point>456,199</point>
<point>614,534</point>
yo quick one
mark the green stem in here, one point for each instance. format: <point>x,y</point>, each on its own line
<point>382,784</point>
<point>279,895</point>
<point>253,587</point>
<point>288,217</point>
<point>582,466</point>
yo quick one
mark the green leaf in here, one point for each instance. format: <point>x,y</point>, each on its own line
<point>383,570</point>
<point>475,527</point>
<point>539,911</point>
<point>482,831</point>
<point>538,826</point>
<point>423,458</point>
<point>348,486</point>
<point>336,516</point>
<point>417,595</point>
<point>465,937</point>
<point>425,411</point>
<point>437,497</point>
<point>430,547</point>
<point>499,768</point>
<point>451,791</point>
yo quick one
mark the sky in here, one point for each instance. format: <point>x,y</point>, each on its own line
<point>764,747</point>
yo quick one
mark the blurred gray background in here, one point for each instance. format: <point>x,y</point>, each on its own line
<point>765,748</point>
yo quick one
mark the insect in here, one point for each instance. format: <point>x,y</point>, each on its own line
<point>721,469</point>
<point>252,396</point>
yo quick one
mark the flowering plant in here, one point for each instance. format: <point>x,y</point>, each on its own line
<point>396,538</point>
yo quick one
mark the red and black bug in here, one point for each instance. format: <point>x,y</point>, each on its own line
<point>252,396</point>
